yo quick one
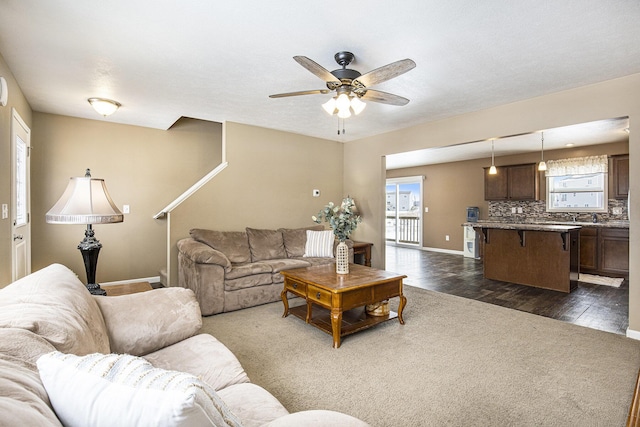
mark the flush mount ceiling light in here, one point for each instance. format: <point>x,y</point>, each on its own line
<point>542,166</point>
<point>103,106</point>
<point>492,169</point>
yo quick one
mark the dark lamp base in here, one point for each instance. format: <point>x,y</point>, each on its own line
<point>95,289</point>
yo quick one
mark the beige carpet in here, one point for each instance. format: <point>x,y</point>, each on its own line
<point>456,362</point>
<point>600,280</point>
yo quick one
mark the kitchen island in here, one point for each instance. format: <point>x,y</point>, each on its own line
<point>540,255</point>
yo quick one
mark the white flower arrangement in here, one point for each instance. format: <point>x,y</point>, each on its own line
<point>343,219</point>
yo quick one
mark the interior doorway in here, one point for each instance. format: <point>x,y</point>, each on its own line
<point>403,221</point>
<point>20,197</point>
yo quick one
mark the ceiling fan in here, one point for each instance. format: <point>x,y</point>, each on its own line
<point>350,85</point>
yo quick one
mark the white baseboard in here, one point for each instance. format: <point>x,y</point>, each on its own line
<point>154,279</point>
<point>444,251</point>
<point>633,334</point>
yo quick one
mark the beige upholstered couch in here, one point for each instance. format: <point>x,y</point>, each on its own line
<point>230,270</point>
<point>52,310</point>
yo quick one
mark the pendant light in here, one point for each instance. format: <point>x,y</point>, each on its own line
<point>492,169</point>
<point>542,166</point>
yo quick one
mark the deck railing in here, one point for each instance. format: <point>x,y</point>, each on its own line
<point>408,229</point>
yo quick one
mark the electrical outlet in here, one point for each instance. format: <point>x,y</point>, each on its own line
<point>513,210</point>
<point>519,210</point>
<point>617,211</point>
<point>446,237</point>
<point>126,209</point>
<point>5,211</point>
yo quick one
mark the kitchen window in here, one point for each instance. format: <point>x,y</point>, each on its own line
<point>577,185</point>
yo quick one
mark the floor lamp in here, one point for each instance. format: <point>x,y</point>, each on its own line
<point>86,201</point>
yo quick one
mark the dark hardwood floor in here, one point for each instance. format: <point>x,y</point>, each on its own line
<point>595,306</point>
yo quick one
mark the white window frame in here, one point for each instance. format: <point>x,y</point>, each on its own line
<point>605,195</point>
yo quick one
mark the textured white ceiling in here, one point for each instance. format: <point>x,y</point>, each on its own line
<point>219,61</point>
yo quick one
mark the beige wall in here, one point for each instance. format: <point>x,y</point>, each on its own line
<point>364,177</point>
<point>18,102</point>
<point>449,188</point>
<point>144,168</point>
<point>268,184</point>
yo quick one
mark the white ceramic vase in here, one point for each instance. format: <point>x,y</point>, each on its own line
<point>342,258</point>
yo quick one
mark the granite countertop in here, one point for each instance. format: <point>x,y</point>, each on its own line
<point>523,226</point>
<point>519,225</point>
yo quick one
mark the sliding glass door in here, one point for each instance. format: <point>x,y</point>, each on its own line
<point>404,211</point>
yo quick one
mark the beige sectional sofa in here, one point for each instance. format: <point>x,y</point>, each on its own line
<point>230,270</point>
<point>50,311</point>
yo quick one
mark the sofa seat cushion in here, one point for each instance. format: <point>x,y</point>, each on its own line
<point>248,282</point>
<point>234,244</point>
<point>278,265</point>
<point>265,244</point>
<point>147,321</point>
<point>295,239</point>
<point>318,261</point>
<point>203,356</point>
<point>23,398</point>
<point>249,269</point>
<point>54,304</point>
<point>252,404</point>
<point>105,389</point>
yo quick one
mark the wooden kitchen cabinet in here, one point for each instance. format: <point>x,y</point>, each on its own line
<point>619,176</point>
<point>604,251</point>
<point>514,182</point>
<point>614,251</point>
<point>588,249</point>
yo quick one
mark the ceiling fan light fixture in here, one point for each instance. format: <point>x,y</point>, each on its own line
<point>103,106</point>
<point>357,105</point>
<point>343,102</point>
<point>330,106</point>
<point>344,114</point>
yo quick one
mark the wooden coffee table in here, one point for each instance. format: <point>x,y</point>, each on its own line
<point>341,297</point>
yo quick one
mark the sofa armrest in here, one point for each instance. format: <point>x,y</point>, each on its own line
<point>201,253</point>
<point>140,323</point>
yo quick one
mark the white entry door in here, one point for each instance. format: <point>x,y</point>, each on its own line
<point>20,197</point>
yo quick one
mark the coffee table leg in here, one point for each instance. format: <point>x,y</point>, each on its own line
<point>336,326</point>
<point>403,302</point>
<point>285,301</point>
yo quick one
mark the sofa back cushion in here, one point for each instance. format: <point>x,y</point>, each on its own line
<point>265,244</point>
<point>234,244</point>
<point>54,304</point>
<point>295,239</point>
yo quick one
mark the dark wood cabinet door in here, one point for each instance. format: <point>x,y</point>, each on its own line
<point>523,182</point>
<point>495,186</point>
<point>614,251</point>
<point>588,249</point>
<point>620,176</point>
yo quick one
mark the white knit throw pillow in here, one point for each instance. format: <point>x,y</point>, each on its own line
<point>123,390</point>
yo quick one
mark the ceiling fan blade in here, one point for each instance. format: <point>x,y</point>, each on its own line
<point>302,92</point>
<point>317,69</point>
<point>386,72</point>
<point>384,98</point>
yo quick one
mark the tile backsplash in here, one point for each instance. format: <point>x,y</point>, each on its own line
<point>536,211</point>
